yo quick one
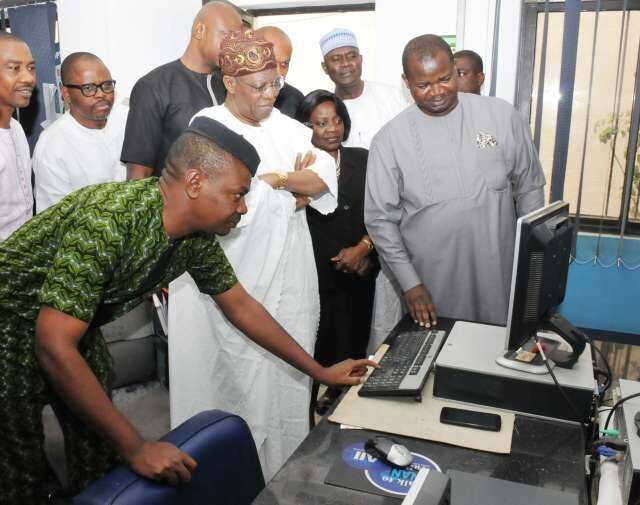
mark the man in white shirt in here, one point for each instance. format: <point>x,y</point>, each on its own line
<point>371,105</point>
<point>17,80</point>
<point>83,146</point>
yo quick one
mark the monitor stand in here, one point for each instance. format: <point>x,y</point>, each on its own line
<point>527,358</point>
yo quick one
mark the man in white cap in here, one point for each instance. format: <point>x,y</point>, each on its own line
<point>371,105</point>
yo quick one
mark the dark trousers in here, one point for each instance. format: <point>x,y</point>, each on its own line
<point>25,474</point>
<point>345,322</point>
<point>343,332</point>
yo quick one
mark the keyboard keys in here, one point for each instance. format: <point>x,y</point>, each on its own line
<point>406,357</point>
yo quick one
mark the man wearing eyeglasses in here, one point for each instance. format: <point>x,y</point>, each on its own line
<point>83,146</point>
<point>271,252</point>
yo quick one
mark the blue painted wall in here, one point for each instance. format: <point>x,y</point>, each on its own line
<point>602,296</point>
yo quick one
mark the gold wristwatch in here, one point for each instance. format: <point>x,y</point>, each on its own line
<point>282,180</point>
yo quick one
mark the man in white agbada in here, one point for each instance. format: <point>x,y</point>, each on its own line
<point>272,255</point>
<point>83,146</point>
<point>371,105</point>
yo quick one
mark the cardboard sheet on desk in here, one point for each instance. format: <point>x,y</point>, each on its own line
<point>421,419</point>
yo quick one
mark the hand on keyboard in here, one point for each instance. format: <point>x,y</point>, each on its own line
<point>421,306</point>
<point>348,372</point>
<point>405,365</point>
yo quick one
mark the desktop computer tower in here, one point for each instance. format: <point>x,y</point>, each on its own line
<point>630,468</point>
<point>466,371</point>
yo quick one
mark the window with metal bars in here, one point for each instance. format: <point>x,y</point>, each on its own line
<point>579,84</point>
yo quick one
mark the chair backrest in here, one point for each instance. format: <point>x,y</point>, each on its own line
<point>228,472</point>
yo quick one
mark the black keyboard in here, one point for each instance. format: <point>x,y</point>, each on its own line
<point>406,364</point>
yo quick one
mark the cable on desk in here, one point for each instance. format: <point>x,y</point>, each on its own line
<point>573,408</point>
<point>616,405</point>
<point>606,364</point>
<point>587,478</point>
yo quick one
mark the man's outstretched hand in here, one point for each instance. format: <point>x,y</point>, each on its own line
<point>162,462</point>
<point>349,372</point>
<point>421,306</point>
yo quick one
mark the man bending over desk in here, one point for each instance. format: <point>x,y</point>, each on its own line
<point>92,257</point>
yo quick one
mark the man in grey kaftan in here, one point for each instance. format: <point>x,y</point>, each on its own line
<point>446,180</point>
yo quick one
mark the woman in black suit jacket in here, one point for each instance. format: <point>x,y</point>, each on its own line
<point>345,257</point>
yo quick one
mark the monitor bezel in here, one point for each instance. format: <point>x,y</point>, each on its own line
<point>531,219</point>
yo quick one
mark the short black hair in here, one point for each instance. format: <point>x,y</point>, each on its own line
<point>473,57</point>
<point>425,46</point>
<point>68,63</point>
<point>315,98</point>
<point>191,150</point>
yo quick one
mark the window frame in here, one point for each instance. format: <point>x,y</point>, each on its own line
<point>311,9</point>
<point>524,87</point>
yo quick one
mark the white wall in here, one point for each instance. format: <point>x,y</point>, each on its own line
<point>382,35</point>
<point>271,4</point>
<point>475,32</point>
<point>131,37</point>
<point>305,31</point>
<point>398,21</point>
<point>508,49</point>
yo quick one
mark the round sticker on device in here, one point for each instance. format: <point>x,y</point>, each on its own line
<point>386,478</point>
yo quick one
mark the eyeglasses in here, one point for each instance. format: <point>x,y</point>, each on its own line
<point>276,86</point>
<point>91,89</point>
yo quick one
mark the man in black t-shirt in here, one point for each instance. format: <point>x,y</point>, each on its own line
<point>163,102</point>
<point>289,97</point>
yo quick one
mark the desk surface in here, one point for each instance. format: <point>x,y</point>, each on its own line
<point>544,453</point>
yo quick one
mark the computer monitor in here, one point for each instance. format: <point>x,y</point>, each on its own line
<point>540,266</point>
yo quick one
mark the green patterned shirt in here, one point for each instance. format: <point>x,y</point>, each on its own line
<point>97,245</point>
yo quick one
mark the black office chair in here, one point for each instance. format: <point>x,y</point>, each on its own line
<point>228,473</point>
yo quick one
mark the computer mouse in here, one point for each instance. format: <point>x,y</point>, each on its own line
<point>389,451</point>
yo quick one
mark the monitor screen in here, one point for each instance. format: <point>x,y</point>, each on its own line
<point>541,262</point>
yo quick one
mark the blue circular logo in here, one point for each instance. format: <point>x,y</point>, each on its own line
<point>384,477</point>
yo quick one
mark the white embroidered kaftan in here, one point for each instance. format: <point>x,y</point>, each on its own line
<point>272,255</point>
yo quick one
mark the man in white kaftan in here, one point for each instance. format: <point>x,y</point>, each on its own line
<point>272,255</point>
